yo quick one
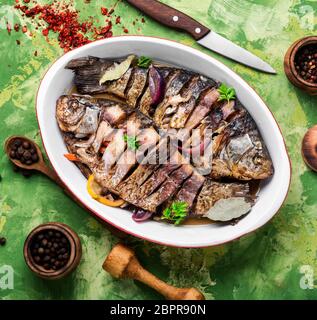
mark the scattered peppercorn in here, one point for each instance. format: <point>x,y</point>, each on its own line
<point>50,249</point>
<point>3,241</point>
<point>306,63</point>
<point>26,173</point>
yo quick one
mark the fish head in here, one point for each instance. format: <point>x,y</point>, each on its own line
<point>78,115</point>
<point>69,111</point>
<point>248,157</point>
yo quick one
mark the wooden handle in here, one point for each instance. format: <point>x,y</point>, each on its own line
<point>51,174</point>
<point>171,17</point>
<point>137,272</point>
<point>122,263</point>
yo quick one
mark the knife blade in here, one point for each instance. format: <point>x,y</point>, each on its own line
<point>204,36</point>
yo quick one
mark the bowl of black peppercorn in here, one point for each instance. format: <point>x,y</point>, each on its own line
<point>300,64</point>
<point>52,250</point>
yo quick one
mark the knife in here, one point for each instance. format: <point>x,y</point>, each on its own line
<point>204,36</point>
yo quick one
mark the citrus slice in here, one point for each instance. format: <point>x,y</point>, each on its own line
<point>93,187</point>
<point>94,190</point>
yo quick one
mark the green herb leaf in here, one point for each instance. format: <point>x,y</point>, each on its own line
<point>132,142</point>
<point>226,93</point>
<point>176,213</point>
<point>144,62</point>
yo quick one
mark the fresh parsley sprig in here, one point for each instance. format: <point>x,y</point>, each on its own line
<point>176,212</point>
<point>132,142</point>
<point>226,93</point>
<point>144,62</point>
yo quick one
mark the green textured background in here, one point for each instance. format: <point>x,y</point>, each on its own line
<point>263,265</point>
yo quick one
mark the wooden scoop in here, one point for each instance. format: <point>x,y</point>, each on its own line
<point>38,166</point>
<point>122,263</point>
<point>42,167</point>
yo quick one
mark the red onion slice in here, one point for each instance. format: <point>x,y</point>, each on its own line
<point>157,85</point>
<point>140,215</point>
<point>199,149</point>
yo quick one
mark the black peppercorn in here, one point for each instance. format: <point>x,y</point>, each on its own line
<point>12,154</point>
<point>26,145</point>
<point>27,155</point>
<point>20,151</point>
<point>18,156</point>
<point>26,173</point>
<point>3,241</point>
<point>48,253</point>
<point>306,63</point>
<point>17,142</point>
<point>35,158</point>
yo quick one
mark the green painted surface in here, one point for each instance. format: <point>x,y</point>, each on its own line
<point>263,265</point>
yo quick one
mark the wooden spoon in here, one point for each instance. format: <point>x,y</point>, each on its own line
<point>40,165</point>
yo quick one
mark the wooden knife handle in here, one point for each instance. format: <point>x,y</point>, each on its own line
<point>170,17</point>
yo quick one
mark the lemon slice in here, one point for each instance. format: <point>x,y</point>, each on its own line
<point>94,190</point>
<point>93,187</point>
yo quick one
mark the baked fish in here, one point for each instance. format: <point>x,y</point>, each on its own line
<point>189,100</point>
<point>139,141</point>
<point>152,177</point>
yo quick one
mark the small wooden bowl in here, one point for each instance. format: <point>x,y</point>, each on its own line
<point>289,65</point>
<point>75,251</point>
<point>309,148</point>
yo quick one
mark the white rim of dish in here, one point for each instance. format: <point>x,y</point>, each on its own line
<point>68,56</point>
